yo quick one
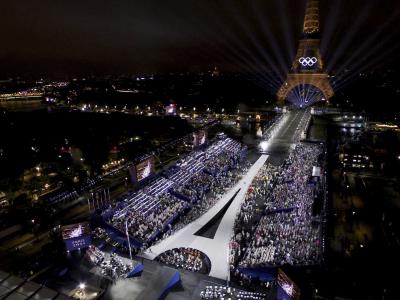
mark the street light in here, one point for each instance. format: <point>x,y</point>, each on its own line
<point>229,268</point>
<point>82,286</point>
<point>129,242</point>
<point>264,146</point>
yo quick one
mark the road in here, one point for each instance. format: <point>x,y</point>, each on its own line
<point>279,146</point>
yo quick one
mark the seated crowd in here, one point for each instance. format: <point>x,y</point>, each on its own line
<point>217,189</point>
<point>202,174</point>
<point>185,258</point>
<point>102,239</point>
<point>285,232</point>
<point>144,227</point>
<point>224,292</point>
<point>111,265</point>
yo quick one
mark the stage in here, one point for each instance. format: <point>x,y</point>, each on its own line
<point>217,248</point>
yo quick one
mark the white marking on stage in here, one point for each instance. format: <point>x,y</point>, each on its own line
<point>216,248</point>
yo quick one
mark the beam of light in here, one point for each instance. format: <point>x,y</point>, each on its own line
<point>281,69</point>
<point>369,59</point>
<point>255,67</point>
<point>239,55</point>
<point>345,40</point>
<point>255,64</point>
<point>276,51</point>
<point>247,59</point>
<point>286,30</point>
<point>365,47</point>
<point>261,51</point>
<point>327,31</point>
<point>367,54</point>
<point>304,95</point>
<point>346,79</point>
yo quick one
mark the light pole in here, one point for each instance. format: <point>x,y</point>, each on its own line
<point>228,278</point>
<point>88,201</point>
<point>129,242</point>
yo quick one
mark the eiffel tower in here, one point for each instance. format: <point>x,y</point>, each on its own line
<point>308,67</point>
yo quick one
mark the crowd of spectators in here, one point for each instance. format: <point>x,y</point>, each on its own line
<point>145,227</point>
<point>186,258</point>
<point>218,188</point>
<point>182,193</point>
<point>285,232</point>
<point>223,292</point>
<point>111,265</point>
<point>273,126</point>
<point>103,239</point>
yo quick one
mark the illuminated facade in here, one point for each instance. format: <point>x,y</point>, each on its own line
<point>308,67</point>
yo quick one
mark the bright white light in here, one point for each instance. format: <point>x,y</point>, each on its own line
<point>264,146</point>
<point>82,286</point>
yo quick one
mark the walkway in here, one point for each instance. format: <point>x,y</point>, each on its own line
<point>217,248</point>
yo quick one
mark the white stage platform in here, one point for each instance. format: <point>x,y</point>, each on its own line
<point>217,248</point>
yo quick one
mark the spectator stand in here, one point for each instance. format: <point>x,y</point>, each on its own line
<point>187,259</point>
<point>162,200</point>
<point>287,232</point>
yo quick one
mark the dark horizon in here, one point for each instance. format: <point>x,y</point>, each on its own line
<point>128,37</point>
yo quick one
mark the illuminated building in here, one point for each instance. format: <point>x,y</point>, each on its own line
<point>307,81</point>
<point>355,157</point>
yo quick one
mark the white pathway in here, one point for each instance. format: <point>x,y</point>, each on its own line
<point>217,248</point>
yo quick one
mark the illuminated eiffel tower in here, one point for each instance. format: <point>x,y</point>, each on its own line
<point>308,67</point>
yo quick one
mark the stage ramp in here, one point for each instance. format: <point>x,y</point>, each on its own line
<point>162,283</point>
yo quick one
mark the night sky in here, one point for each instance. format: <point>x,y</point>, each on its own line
<point>58,37</point>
